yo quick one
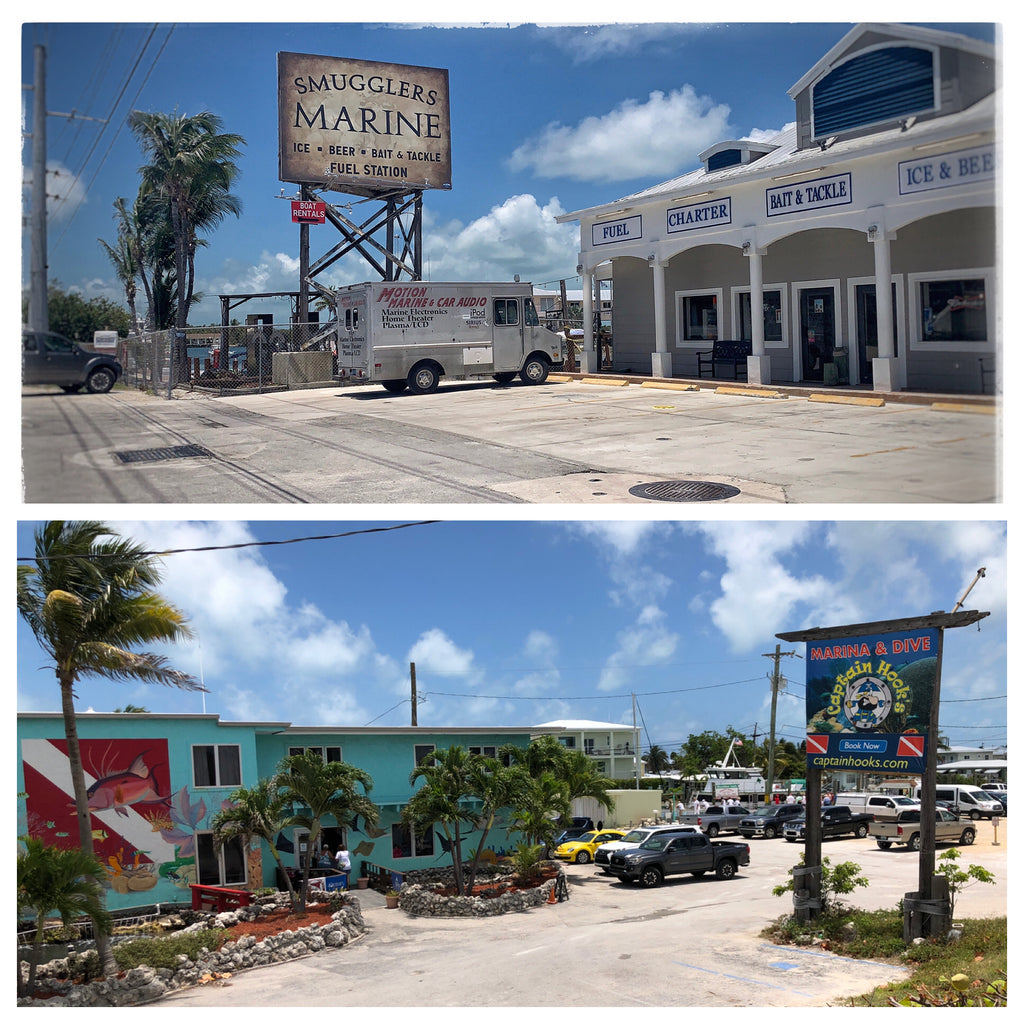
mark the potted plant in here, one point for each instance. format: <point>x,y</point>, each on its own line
<point>391,899</point>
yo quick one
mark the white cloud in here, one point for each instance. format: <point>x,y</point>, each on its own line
<point>648,641</point>
<point>764,134</point>
<point>657,138</point>
<point>605,42</point>
<point>435,652</point>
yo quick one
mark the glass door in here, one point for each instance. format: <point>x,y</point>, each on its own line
<point>867,329</point>
<point>818,333</point>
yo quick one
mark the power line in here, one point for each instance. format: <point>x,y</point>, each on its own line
<point>599,696</point>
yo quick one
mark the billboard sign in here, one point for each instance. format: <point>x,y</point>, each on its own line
<point>869,700</point>
<point>362,127</point>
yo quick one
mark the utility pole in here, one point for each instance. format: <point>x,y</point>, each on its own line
<point>776,679</point>
<point>412,678</point>
<point>38,306</point>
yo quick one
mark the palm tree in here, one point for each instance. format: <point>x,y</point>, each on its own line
<point>447,776</point>
<point>317,789</point>
<point>496,787</point>
<point>255,812</point>
<point>192,169</point>
<point>581,778</point>
<point>540,804</point>
<point>64,882</point>
<point>657,760</point>
<point>124,257</point>
<point>89,600</point>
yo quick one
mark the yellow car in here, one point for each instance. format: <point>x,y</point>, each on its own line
<point>581,850</point>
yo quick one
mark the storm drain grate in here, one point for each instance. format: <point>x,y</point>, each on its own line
<point>684,490</point>
<point>181,451</point>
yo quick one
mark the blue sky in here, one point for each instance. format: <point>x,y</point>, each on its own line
<point>545,119</point>
<point>519,623</point>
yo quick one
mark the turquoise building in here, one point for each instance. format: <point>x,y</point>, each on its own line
<point>156,781</point>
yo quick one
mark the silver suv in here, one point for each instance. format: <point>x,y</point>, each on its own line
<point>634,837</point>
<point>48,358</point>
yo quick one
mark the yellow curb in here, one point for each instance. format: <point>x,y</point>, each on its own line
<point>750,393</point>
<point>847,400</point>
<point>559,378</point>
<point>669,386</point>
<point>989,410</point>
<point>609,382</point>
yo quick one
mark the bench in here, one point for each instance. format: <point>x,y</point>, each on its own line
<point>725,352</point>
<point>219,898</point>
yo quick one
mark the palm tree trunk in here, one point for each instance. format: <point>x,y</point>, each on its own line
<point>287,877</point>
<point>67,704</point>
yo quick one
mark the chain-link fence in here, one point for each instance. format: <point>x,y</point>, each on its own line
<point>232,360</point>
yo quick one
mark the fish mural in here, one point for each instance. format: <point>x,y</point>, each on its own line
<point>124,789</point>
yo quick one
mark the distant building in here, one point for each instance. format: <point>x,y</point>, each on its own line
<point>612,746</point>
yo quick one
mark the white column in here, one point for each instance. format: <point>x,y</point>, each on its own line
<point>758,364</point>
<point>661,358</point>
<point>588,357</point>
<point>884,371</point>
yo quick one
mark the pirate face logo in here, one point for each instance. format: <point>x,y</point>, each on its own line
<point>867,702</point>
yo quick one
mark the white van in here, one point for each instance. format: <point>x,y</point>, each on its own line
<point>968,800</point>
<point>881,805</point>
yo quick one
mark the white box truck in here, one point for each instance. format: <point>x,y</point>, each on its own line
<point>411,334</point>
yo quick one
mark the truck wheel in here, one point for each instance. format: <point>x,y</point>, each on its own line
<point>100,381</point>
<point>967,837</point>
<point>726,869</point>
<point>915,842</point>
<point>423,378</point>
<point>650,878</point>
<point>583,857</point>
<point>505,377</point>
<point>712,831</point>
<point>975,815</point>
<point>535,370</point>
<point>883,846</point>
<point>396,387</point>
<point>862,831</point>
<point>769,832</point>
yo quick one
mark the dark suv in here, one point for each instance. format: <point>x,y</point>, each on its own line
<point>48,358</point>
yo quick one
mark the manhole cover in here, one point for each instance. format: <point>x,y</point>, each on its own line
<point>684,490</point>
<point>181,451</point>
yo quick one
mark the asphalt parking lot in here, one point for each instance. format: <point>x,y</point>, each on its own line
<point>691,942</point>
<point>573,441</point>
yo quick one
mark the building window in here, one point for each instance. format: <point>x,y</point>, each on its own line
<point>484,751</point>
<point>407,841</point>
<point>225,866</point>
<point>874,87</point>
<point>217,764</point>
<point>953,310</point>
<point>697,316</point>
<point>772,302</point>
<point>568,741</point>
<point>421,750</point>
<point>329,754</point>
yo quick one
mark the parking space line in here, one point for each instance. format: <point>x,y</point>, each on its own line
<point>745,981</point>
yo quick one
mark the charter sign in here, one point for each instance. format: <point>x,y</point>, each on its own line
<point>362,127</point>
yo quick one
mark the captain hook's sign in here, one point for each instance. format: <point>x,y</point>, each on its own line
<point>869,700</point>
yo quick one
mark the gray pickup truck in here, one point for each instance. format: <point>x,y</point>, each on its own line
<point>716,819</point>
<point>666,854</point>
<point>769,820</point>
<point>907,829</point>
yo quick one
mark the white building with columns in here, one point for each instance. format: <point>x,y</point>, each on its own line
<point>887,181</point>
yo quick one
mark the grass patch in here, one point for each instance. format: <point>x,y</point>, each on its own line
<point>164,952</point>
<point>956,972</point>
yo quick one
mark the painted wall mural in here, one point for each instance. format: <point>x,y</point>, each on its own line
<point>143,831</point>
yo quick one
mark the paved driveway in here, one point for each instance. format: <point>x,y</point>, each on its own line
<point>571,442</point>
<point>691,942</point>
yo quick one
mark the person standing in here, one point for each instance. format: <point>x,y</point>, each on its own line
<point>342,859</point>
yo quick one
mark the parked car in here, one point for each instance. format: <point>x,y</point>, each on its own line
<point>582,850</point>
<point>767,821</point>
<point>881,806</point>
<point>633,838</point>
<point>48,358</point>
<point>663,855</point>
<point>716,819</point>
<point>835,821</point>
<point>907,829</point>
<point>970,800</point>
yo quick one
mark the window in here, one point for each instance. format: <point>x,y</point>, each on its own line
<point>568,741</point>
<point>217,765</point>
<point>873,87</point>
<point>697,316</point>
<point>225,866</point>
<point>530,317</point>
<point>485,751</point>
<point>506,312</point>
<point>421,750</point>
<point>772,303</point>
<point>407,841</point>
<point>953,310</point>
<point>329,754</point>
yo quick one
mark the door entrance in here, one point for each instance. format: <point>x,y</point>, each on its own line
<point>867,329</point>
<point>508,335</point>
<point>818,333</point>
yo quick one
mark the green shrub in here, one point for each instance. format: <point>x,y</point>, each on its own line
<point>165,952</point>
